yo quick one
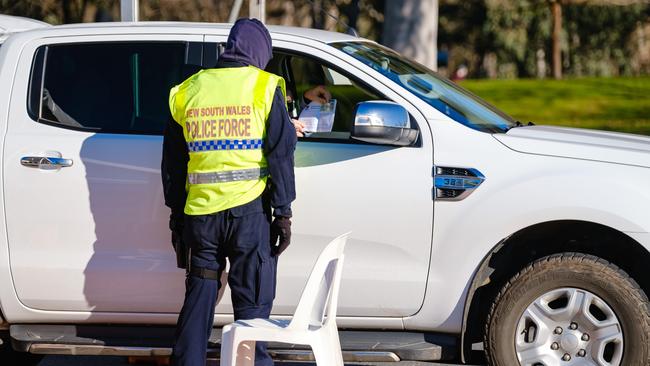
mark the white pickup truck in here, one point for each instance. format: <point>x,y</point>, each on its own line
<point>473,235</point>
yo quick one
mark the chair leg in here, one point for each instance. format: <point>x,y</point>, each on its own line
<point>234,350</point>
<point>327,349</point>
<point>245,354</point>
<point>227,353</point>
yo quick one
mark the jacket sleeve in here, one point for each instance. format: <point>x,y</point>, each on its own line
<point>174,167</point>
<point>279,148</point>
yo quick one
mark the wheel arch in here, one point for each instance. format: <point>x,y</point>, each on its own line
<point>514,252</point>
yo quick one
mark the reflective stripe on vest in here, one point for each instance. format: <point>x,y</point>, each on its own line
<point>223,113</point>
<point>227,176</point>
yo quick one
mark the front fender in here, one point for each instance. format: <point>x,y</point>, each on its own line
<point>520,190</point>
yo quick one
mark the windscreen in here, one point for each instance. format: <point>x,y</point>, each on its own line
<point>442,94</point>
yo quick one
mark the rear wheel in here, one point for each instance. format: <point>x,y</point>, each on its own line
<point>569,309</point>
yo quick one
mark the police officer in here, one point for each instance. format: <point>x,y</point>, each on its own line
<point>227,160</point>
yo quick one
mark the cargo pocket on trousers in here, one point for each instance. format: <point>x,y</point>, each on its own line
<point>266,273</point>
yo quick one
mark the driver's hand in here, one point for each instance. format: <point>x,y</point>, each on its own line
<point>299,126</point>
<point>318,94</point>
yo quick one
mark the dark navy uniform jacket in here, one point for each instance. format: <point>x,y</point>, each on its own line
<point>279,147</point>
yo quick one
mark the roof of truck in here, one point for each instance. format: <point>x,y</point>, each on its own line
<point>208,28</point>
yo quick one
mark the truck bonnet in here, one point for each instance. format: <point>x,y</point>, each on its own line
<point>611,147</point>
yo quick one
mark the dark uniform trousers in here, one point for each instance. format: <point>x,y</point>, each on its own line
<point>240,234</point>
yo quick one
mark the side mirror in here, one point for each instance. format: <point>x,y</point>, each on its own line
<point>383,122</point>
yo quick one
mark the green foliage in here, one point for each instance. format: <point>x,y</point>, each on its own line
<point>518,29</point>
<point>616,104</point>
<point>460,32</point>
<point>28,8</point>
<point>598,38</point>
<point>495,38</point>
<point>59,11</point>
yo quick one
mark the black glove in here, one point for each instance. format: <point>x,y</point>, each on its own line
<point>176,226</point>
<point>280,228</point>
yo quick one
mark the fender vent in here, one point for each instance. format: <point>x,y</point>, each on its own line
<point>454,184</point>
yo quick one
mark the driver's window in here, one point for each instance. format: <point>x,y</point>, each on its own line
<point>304,73</point>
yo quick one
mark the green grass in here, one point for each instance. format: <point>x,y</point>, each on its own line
<point>615,104</point>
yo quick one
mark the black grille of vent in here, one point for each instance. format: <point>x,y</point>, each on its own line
<point>454,171</point>
<point>449,193</point>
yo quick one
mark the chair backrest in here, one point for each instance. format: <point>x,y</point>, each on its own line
<point>321,293</point>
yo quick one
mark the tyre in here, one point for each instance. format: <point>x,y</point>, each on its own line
<point>569,309</point>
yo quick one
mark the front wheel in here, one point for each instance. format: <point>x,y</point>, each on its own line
<point>569,309</point>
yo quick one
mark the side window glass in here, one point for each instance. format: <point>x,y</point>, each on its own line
<point>303,73</point>
<point>110,87</point>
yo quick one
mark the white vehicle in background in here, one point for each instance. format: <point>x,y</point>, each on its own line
<point>468,228</point>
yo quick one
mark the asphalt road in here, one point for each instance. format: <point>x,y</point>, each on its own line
<point>122,361</point>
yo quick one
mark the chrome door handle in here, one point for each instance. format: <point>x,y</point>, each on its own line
<point>45,162</point>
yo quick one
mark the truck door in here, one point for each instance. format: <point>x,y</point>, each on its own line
<point>380,193</point>
<point>87,227</point>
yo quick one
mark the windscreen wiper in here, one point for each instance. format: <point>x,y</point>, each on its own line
<point>519,124</point>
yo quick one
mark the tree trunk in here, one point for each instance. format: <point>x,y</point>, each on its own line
<point>411,28</point>
<point>73,11</point>
<point>351,11</point>
<point>67,12</point>
<point>556,9</point>
<point>317,15</point>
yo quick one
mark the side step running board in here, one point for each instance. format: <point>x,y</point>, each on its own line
<point>277,354</point>
<point>357,346</point>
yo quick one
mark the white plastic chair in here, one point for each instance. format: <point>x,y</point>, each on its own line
<point>313,324</point>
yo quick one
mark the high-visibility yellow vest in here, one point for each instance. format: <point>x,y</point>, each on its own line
<point>223,113</point>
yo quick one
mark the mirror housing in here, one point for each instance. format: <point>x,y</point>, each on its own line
<point>383,122</point>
